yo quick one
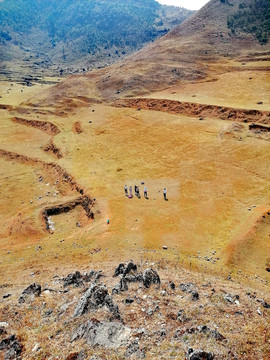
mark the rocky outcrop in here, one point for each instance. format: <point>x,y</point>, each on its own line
<point>74,279</point>
<point>106,334</point>
<point>150,277</point>
<point>30,292</point>
<point>12,346</point>
<point>96,296</point>
<point>199,355</point>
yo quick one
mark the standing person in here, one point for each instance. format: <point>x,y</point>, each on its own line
<point>145,192</point>
<point>130,191</point>
<point>135,189</point>
<point>165,194</point>
<point>126,190</point>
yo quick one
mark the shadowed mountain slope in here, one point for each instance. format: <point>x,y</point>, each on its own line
<point>200,48</point>
<point>63,37</point>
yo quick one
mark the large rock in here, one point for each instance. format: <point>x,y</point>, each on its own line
<point>199,355</point>
<point>150,277</point>
<point>30,292</point>
<point>96,296</point>
<point>131,267</point>
<point>119,270</point>
<point>92,299</point>
<point>74,279</point>
<point>13,346</point>
<point>125,270</point>
<point>106,334</point>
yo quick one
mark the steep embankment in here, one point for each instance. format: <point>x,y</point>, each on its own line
<point>194,109</point>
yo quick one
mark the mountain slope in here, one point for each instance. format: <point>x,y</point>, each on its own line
<point>80,34</point>
<point>201,47</point>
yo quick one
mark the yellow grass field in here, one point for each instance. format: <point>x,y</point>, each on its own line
<point>216,219</point>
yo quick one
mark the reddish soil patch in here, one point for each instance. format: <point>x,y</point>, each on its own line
<point>53,149</point>
<point>77,127</point>
<point>45,126</point>
<point>195,109</point>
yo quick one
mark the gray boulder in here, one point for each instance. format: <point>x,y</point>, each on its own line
<point>133,350</point>
<point>96,296</point>
<point>150,277</point>
<point>74,279</point>
<point>92,299</point>
<point>131,267</point>
<point>119,270</point>
<point>199,355</point>
<point>30,292</point>
<point>13,346</point>
<point>107,334</point>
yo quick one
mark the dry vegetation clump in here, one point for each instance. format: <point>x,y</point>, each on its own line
<point>130,314</point>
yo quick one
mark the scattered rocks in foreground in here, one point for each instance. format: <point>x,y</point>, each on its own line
<point>82,317</point>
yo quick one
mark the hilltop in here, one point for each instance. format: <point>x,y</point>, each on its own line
<point>62,37</point>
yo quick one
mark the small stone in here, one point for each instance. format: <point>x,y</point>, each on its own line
<point>36,348</point>
<point>259,311</point>
<point>6,296</point>
<point>228,298</point>
<point>149,311</point>
<point>3,324</point>
<point>194,295</point>
<point>165,247</point>
<point>129,300</point>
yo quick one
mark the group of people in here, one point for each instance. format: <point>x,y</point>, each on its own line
<point>128,192</point>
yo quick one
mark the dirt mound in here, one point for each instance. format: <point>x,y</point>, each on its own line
<point>77,127</point>
<point>45,126</point>
<point>53,149</point>
<point>195,109</point>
